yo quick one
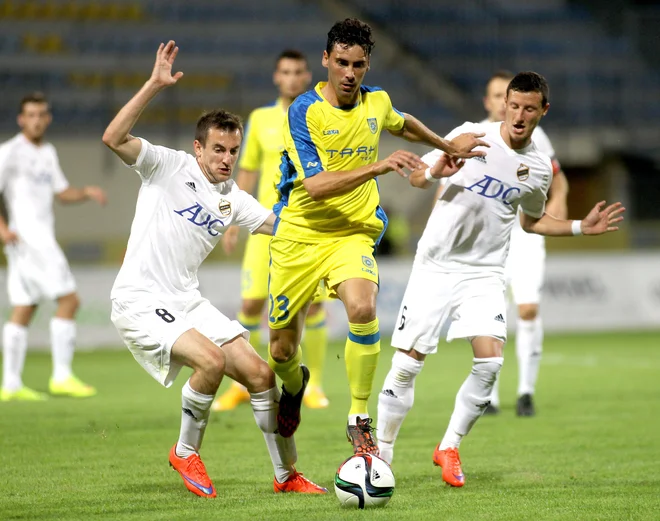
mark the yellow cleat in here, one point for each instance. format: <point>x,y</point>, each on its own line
<point>315,398</point>
<point>232,398</point>
<point>72,387</point>
<point>24,394</point>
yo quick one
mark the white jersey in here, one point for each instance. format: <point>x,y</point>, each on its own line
<point>179,219</point>
<point>470,226</point>
<point>29,176</point>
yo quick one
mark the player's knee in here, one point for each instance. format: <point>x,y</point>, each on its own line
<point>282,347</point>
<point>528,311</point>
<point>69,304</point>
<point>252,308</point>
<point>262,379</point>
<point>487,369</point>
<point>361,312</point>
<point>212,364</point>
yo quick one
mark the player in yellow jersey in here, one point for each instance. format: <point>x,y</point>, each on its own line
<point>329,219</point>
<point>260,165</point>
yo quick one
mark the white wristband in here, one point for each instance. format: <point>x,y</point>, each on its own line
<point>576,227</point>
<point>428,176</point>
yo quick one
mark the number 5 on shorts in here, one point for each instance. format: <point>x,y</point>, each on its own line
<point>282,303</point>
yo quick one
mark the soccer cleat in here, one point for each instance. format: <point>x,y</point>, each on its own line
<point>361,438</point>
<point>231,398</point>
<point>298,483</point>
<point>72,386</point>
<point>315,398</point>
<point>288,415</point>
<point>193,473</point>
<point>491,410</point>
<point>525,405</point>
<point>450,462</point>
<point>24,394</point>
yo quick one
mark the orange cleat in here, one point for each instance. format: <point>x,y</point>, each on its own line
<point>193,473</point>
<point>450,462</point>
<point>298,483</point>
<point>360,436</point>
<point>231,398</point>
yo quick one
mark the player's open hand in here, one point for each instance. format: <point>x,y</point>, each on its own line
<point>96,194</point>
<point>8,237</point>
<point>162,73</point>
<point>602,221</point>
<point>230,239</point>
<point>399,162</point>
<point>446,166</point>
<point>463,145</point>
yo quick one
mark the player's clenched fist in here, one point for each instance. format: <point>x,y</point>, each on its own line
<point>463,145</point>
<point>400,161</point>
<point>162,73</point>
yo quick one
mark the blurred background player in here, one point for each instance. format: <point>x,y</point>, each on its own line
<point>329,219</point>
<point>525,265</point>
<point>260,164</point>
<point>37,269</point>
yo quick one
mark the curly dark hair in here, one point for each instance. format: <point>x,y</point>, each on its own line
<point>350,32</point>
<point>529,81</point>
<point>220,119</point>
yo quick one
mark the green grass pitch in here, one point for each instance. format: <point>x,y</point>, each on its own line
<point>592,452</point>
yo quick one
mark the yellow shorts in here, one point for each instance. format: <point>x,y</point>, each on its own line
<point>297,268</point>
<point>254,271</point>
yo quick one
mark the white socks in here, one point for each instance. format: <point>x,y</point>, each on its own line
<point>195,410</point>
<point>472,399</point>
<point>395,401</point>
<point>282,450</point>
<point>63,344</point>
<point>495,395</point>
<point>14,347</point>
<point>529,346</point>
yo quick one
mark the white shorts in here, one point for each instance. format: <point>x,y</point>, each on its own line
<point>149,327</point>
<point>37,274</point>
<point>451,305</point>
<point>525,267</point>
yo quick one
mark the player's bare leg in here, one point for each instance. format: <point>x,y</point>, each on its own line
<point>244,365</point>
<point>207,360</point>
<point>14,349</point>
<point>63,345</point>
<point>315,340</point>
<point>285,358</point>
<point>250,319</point>
<point>361,354</point>
<point>529,346</point>
<point>472,398</point>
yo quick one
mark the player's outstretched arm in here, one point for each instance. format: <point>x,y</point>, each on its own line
<point>461,146</point>
<point>445,166</point>
<point>117,136</point>
<point>557,201</point>
<point>72,195</point>
<point>598,221</point>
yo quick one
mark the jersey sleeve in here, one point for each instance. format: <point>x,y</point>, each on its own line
<point>533,204</point>
<point>59,180</point>
<point>305,144</point>
<point>4,165</point>
<point>155,161</point>
<point>394,120</point>
<point>249,212</point>
<point>431,158</point>
<point>251,152</point>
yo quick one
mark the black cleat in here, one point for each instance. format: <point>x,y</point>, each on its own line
<point>525,405</point>
<point>491,410</point>
<point>288,415</point>
<point>360,436</point>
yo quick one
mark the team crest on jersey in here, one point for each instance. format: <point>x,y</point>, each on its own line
<point>522,172</point>
<point>225,207</point>
<point>368,262</point>
<point>373,125</point>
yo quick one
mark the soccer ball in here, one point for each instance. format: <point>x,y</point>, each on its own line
<point>364,481</point>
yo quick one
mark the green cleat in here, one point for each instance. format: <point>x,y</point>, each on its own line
<point>24,394</point>
<point>72,386</point>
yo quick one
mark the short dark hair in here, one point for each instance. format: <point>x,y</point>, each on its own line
<point>290,54</point>
<point>350,32</point>
<point>501,74</point>
<point>220,119</point>
<point>32,97</point>
<point>529,81</point>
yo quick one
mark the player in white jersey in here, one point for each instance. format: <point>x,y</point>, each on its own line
<point>525,265</point>
<point>184,204</point>
<point>30,175</point>
<point>456,288</point>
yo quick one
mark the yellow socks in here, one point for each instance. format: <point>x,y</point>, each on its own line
<point>253,325</point>
<point>316,343</point>
<point>289,372</point>
<point>361,353</point>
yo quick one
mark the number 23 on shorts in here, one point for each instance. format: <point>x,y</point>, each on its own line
<point>278,310</point>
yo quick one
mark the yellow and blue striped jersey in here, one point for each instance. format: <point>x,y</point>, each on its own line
<point>321,137</point>
<point>262,149</point>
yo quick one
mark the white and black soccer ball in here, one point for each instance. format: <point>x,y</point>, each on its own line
<point>364,481</point>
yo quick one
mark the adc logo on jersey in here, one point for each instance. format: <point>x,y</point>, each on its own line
<point>522,172</point>
<point>493,188</point>
<point>225,208</point>
<point>196,218</point>
<point>373,125</point>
